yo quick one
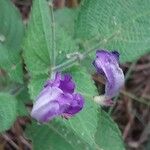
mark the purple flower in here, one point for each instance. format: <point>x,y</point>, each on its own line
<point>107,64</point>
<point>57,99</point>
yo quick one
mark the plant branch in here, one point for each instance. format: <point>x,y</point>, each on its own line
<point>9,140</point>
<point>69,63</point>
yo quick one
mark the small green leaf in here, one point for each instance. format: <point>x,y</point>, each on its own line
<point>108,135</point>
<point>8,111</point>
<point>11,34</point>
<point>120,25</point>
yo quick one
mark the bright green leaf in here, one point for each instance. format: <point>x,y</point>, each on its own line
<point>120,25</point>
<point>11,34</point>
<point>108,135</point>
<point>8,111</point>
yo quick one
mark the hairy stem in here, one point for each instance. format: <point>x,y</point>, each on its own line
<point>70,62</point>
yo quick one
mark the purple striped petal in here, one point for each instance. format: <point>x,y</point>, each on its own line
<point>107,64</point>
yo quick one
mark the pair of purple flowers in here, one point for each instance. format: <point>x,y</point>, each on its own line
<point>58,97</point>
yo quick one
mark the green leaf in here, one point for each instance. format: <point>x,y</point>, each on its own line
<point>38,41</point>
<point>8,111</point>
<point>55,137</point>
<point>11,34</point>
<point>65,41</point>
<point>36,84</point>
<point>65,44</point>
<point>23,98</point>
<point>66,19</point>
<point>120,25</point>
<point>108,135</point>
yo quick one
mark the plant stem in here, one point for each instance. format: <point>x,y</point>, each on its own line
<point>70,62</point>
<point>104,41</point>
<point>53,36</point>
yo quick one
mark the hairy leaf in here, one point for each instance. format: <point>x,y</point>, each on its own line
<point>108,135</point>
<point>38,43</point>
<point>8,111</point>
<point>11,34</point>
<point>66,19</point>
<point>120,25</point>
<point>55,137</point>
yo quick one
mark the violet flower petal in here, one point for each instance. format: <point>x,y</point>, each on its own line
<point>107,64</point>
<point>57,98</point>
<point>67,85</point>
<point>76,105</point>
